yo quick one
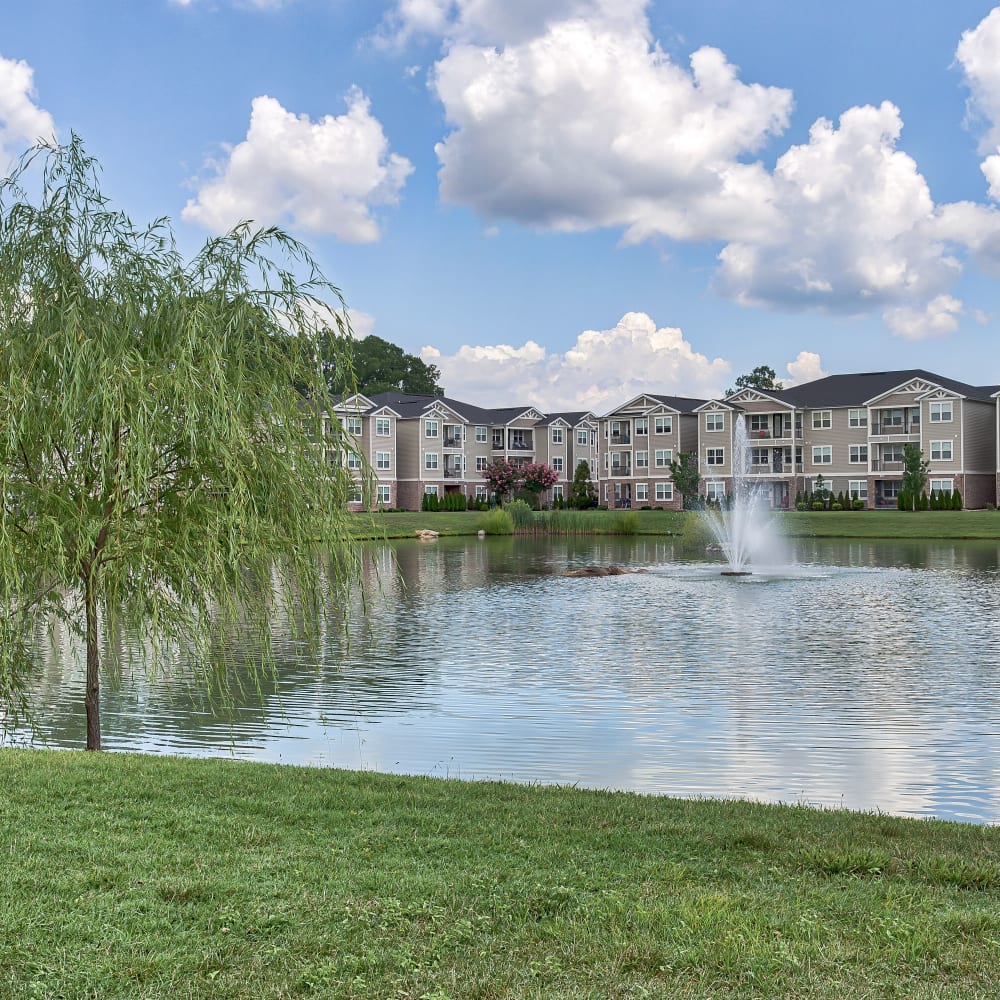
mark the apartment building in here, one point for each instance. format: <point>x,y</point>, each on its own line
<point>566,440</point>
<point>641,438</point>
<point>850,430</point>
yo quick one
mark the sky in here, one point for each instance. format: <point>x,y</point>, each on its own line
<point>565,203</point>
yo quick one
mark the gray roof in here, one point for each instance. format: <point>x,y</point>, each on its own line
<point>857,389</point>
<point>409,404</point>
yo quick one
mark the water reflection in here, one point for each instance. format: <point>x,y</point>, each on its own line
<point>865,679</point>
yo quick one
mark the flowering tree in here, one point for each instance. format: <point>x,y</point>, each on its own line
<point>503,476</point>
<point>536,477</point>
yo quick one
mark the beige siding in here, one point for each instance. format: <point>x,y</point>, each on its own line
<point>978,436</point>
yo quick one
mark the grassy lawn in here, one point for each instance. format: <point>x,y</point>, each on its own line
<point>136,877</point>
<point>817,524</point>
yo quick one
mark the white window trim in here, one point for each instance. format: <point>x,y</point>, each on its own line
<point>822,420</point>
<point>950,457</point>
<point>825,452</point>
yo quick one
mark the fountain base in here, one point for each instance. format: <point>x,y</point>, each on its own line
<point>736,572</point>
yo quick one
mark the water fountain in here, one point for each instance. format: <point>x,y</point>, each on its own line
<point>741,525</point>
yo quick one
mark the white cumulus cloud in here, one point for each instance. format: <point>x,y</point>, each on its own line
<point>807,367</point>
<point>326,176</point>
<point>855,224</point>
<point>937,318</point>
<point>22,121</point>
<point>978,53</point>
<point>589,124</point>
<point>600,371</point>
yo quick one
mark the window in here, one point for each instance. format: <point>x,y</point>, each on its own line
<point>619,431</point>
<point>941,451</point>
<point>557,493</point>
<point>481,462</point>
<point>642,459</point>
<point>481,493</point>
<point>664,425</point>
<point>664,491</point>
<point>822,419</point>
<point>892,453</point>
<point>431,491</point>
<point>715,421</point>
<point>431,460</point>
<point>664,456</point>
<point>353,461</point>
<point>642,491</point>
<point>642,426</point>
<point>431,428</point>
<point>715,456</point>
<point>942,485</point>
<point>481,435</point>
<point>857,418</point>
<point>382,429</point>
<point>893,417</point>
<point>382,460</point>
<point>759,456</point>
<point>353,425</point>
<point>857,489</point>
<point>384,495</point>
<point>759,424</point>
<point>557,435</point>
<point>581,438</point>
<point>557,463</point>
<point>858,453</point>
<point>716,492</point>
<point>355,495</point>
<point>822,454</point>
<point>941,412</point>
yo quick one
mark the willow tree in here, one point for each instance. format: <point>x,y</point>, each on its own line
<point>164,459</point>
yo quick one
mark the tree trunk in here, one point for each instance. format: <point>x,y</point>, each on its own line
<point>93,696</point>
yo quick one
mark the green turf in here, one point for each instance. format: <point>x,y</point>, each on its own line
<point>819,524</point>
<point>136,877</point>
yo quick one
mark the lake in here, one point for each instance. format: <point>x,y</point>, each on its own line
<point>865,676</point>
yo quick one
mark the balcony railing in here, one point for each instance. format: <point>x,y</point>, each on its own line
<point>453,442</point>
<point>907,427</point>
<point>521,446</point>
<point>452,473</point>
<point>882,465</point>
<point>621,470</point>
<point>620,439</point>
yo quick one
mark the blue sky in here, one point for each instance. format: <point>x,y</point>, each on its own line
<point>566,202</point>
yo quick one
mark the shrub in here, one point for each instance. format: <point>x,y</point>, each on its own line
<point>696,534</point>
<point>858,504</point>
<point>836,505</point>
<point>626,524</point>
<point>801,505</point>
<point>521,515</point>
<point>497,522</point>
<point>818,505</point>
<point>956,500</point>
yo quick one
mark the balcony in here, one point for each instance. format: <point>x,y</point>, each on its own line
<point>520,445</point>
<point>452,473</point>
<point>755,434</point>
<point>883,465</point>
<point>621,438</point>
<point>452,442</point>
<point>621,470</point>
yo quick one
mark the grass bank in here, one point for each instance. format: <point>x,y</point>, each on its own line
<point>928,524</point>
<point>814,524</point>
<point>138,877</point>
